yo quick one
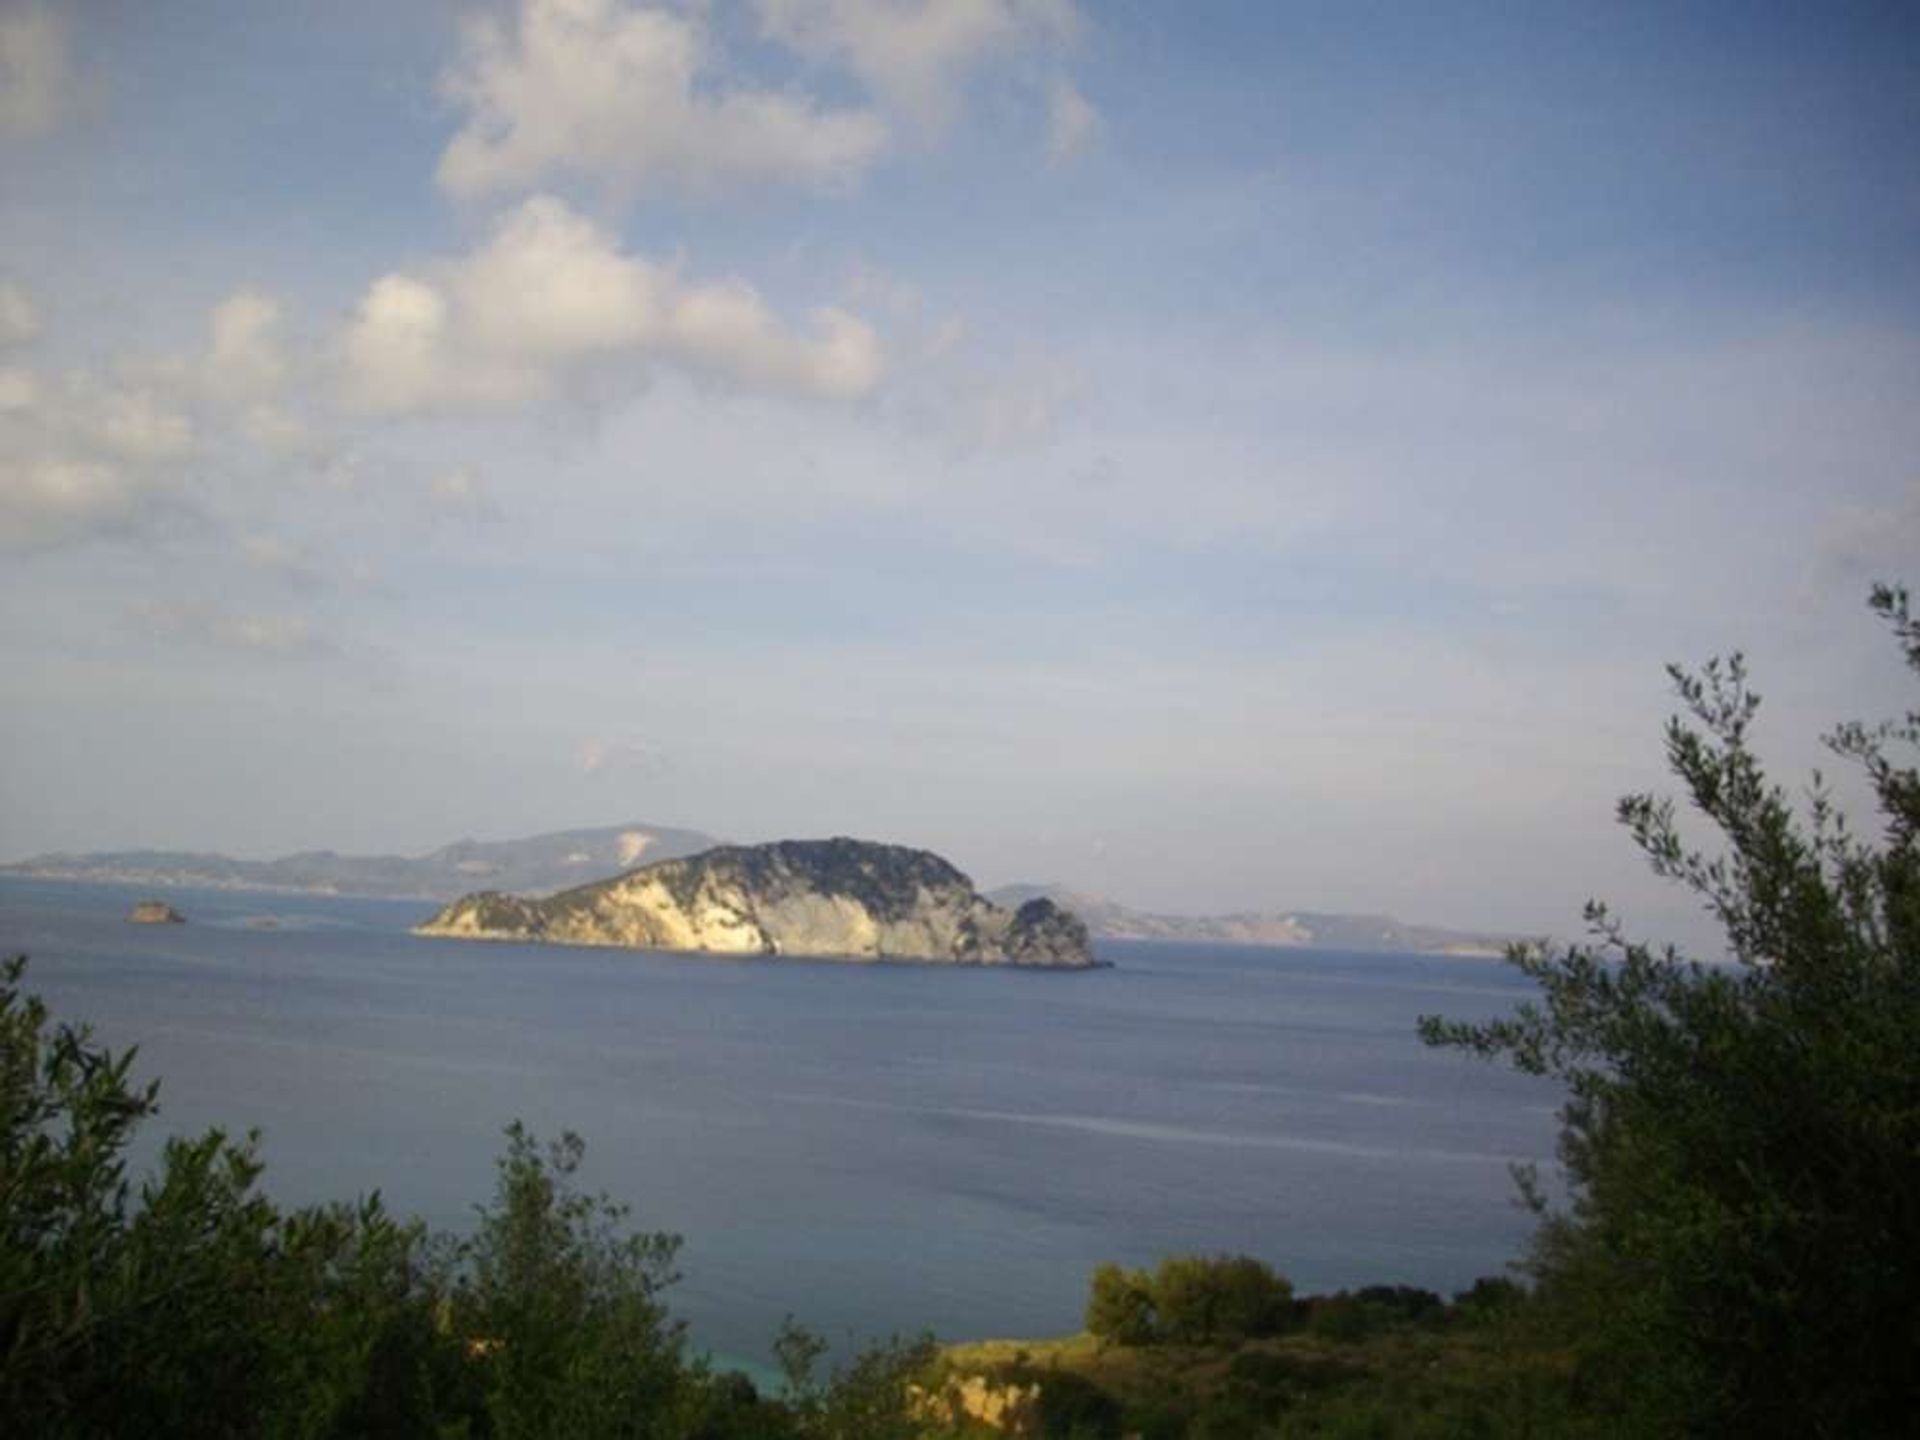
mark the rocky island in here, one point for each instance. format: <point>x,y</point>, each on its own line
<point>839,898</point>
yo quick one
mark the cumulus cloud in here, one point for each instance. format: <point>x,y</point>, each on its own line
<point>1072,122</point>
<point>396,347</point>
<point>916,54</point>
<point>550,293</point>
<point>101,452</point>
<point>629,95</point>
<point>36,71</point>
<point>80,456</point>
<point>19,321</point>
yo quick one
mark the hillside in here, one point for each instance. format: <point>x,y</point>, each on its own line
<point>1109,920</point>
<point>534,865</point>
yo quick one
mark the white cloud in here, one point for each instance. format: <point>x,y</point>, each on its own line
<point>551,285</point>
<point>19,390</point>
<point>728,330</point>
<point>78,456</point>
<point>19,322</point>
<point>137,425</point>
<point>914,54</point>
<point>276,429</point>
<point>36,72</point>
<point>84,455</point>
<point>395,347</point>
<point>245,358</point>
<point>1072,122</point>
<point>551,291</point>
<point>628,95</point>
<point>45,501</point>
<point>83,415</point>
<point>599,754</point>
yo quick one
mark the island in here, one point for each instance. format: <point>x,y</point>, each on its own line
<point>835,899</point>
<point>155,912</point>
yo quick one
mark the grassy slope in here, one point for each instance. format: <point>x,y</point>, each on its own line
<point>1430,1380</point>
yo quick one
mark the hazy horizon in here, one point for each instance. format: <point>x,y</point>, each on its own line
<point>985,878</point>
<point>1239,456</point>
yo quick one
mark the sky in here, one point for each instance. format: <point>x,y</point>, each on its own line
<point>1217,456</point>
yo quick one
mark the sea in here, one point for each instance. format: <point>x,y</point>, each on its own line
<point>871,1149</point>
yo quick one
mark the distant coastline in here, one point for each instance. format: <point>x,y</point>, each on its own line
<point>545,864</point>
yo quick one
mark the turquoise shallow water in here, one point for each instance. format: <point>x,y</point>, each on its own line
<point>873,1149</point>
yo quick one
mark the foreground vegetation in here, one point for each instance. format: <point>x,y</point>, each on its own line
<point>1737,1255</point>
<point>191,1305</point>
<point>1380,1361</point>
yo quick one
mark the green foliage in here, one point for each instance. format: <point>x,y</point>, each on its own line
<point>1421,1371</point>
<point>1347,1319</point>
<point>560,1303</point>
<point>1200,1300</point>
<point>1189,1300</point>
<point>1488,1298</point>
<point>1742,1142</point>
<point>864,1399</point>
<point>1071,1407</point>
<point>1120,1306</point>
<point>192,1306</point>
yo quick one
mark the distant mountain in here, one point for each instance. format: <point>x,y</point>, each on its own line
<point>1108,920</point>
<point>840,898</point>
<point>537,865</point>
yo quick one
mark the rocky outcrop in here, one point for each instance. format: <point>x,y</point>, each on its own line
<point>840,898</point>
<point>155,912</point>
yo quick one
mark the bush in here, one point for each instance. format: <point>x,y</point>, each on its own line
<point>1189,1300</point>
<point>1346,1319</point>
<point>560,1303</point>
<point>192,1306</point>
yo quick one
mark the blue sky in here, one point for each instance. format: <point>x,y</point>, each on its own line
<point>1219,456</point>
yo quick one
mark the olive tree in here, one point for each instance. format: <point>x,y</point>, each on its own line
<point>1739,1248</point>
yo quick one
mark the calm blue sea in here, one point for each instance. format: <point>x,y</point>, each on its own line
<point>873,1149</point>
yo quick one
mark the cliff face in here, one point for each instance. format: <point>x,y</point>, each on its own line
<point>846,898</point>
